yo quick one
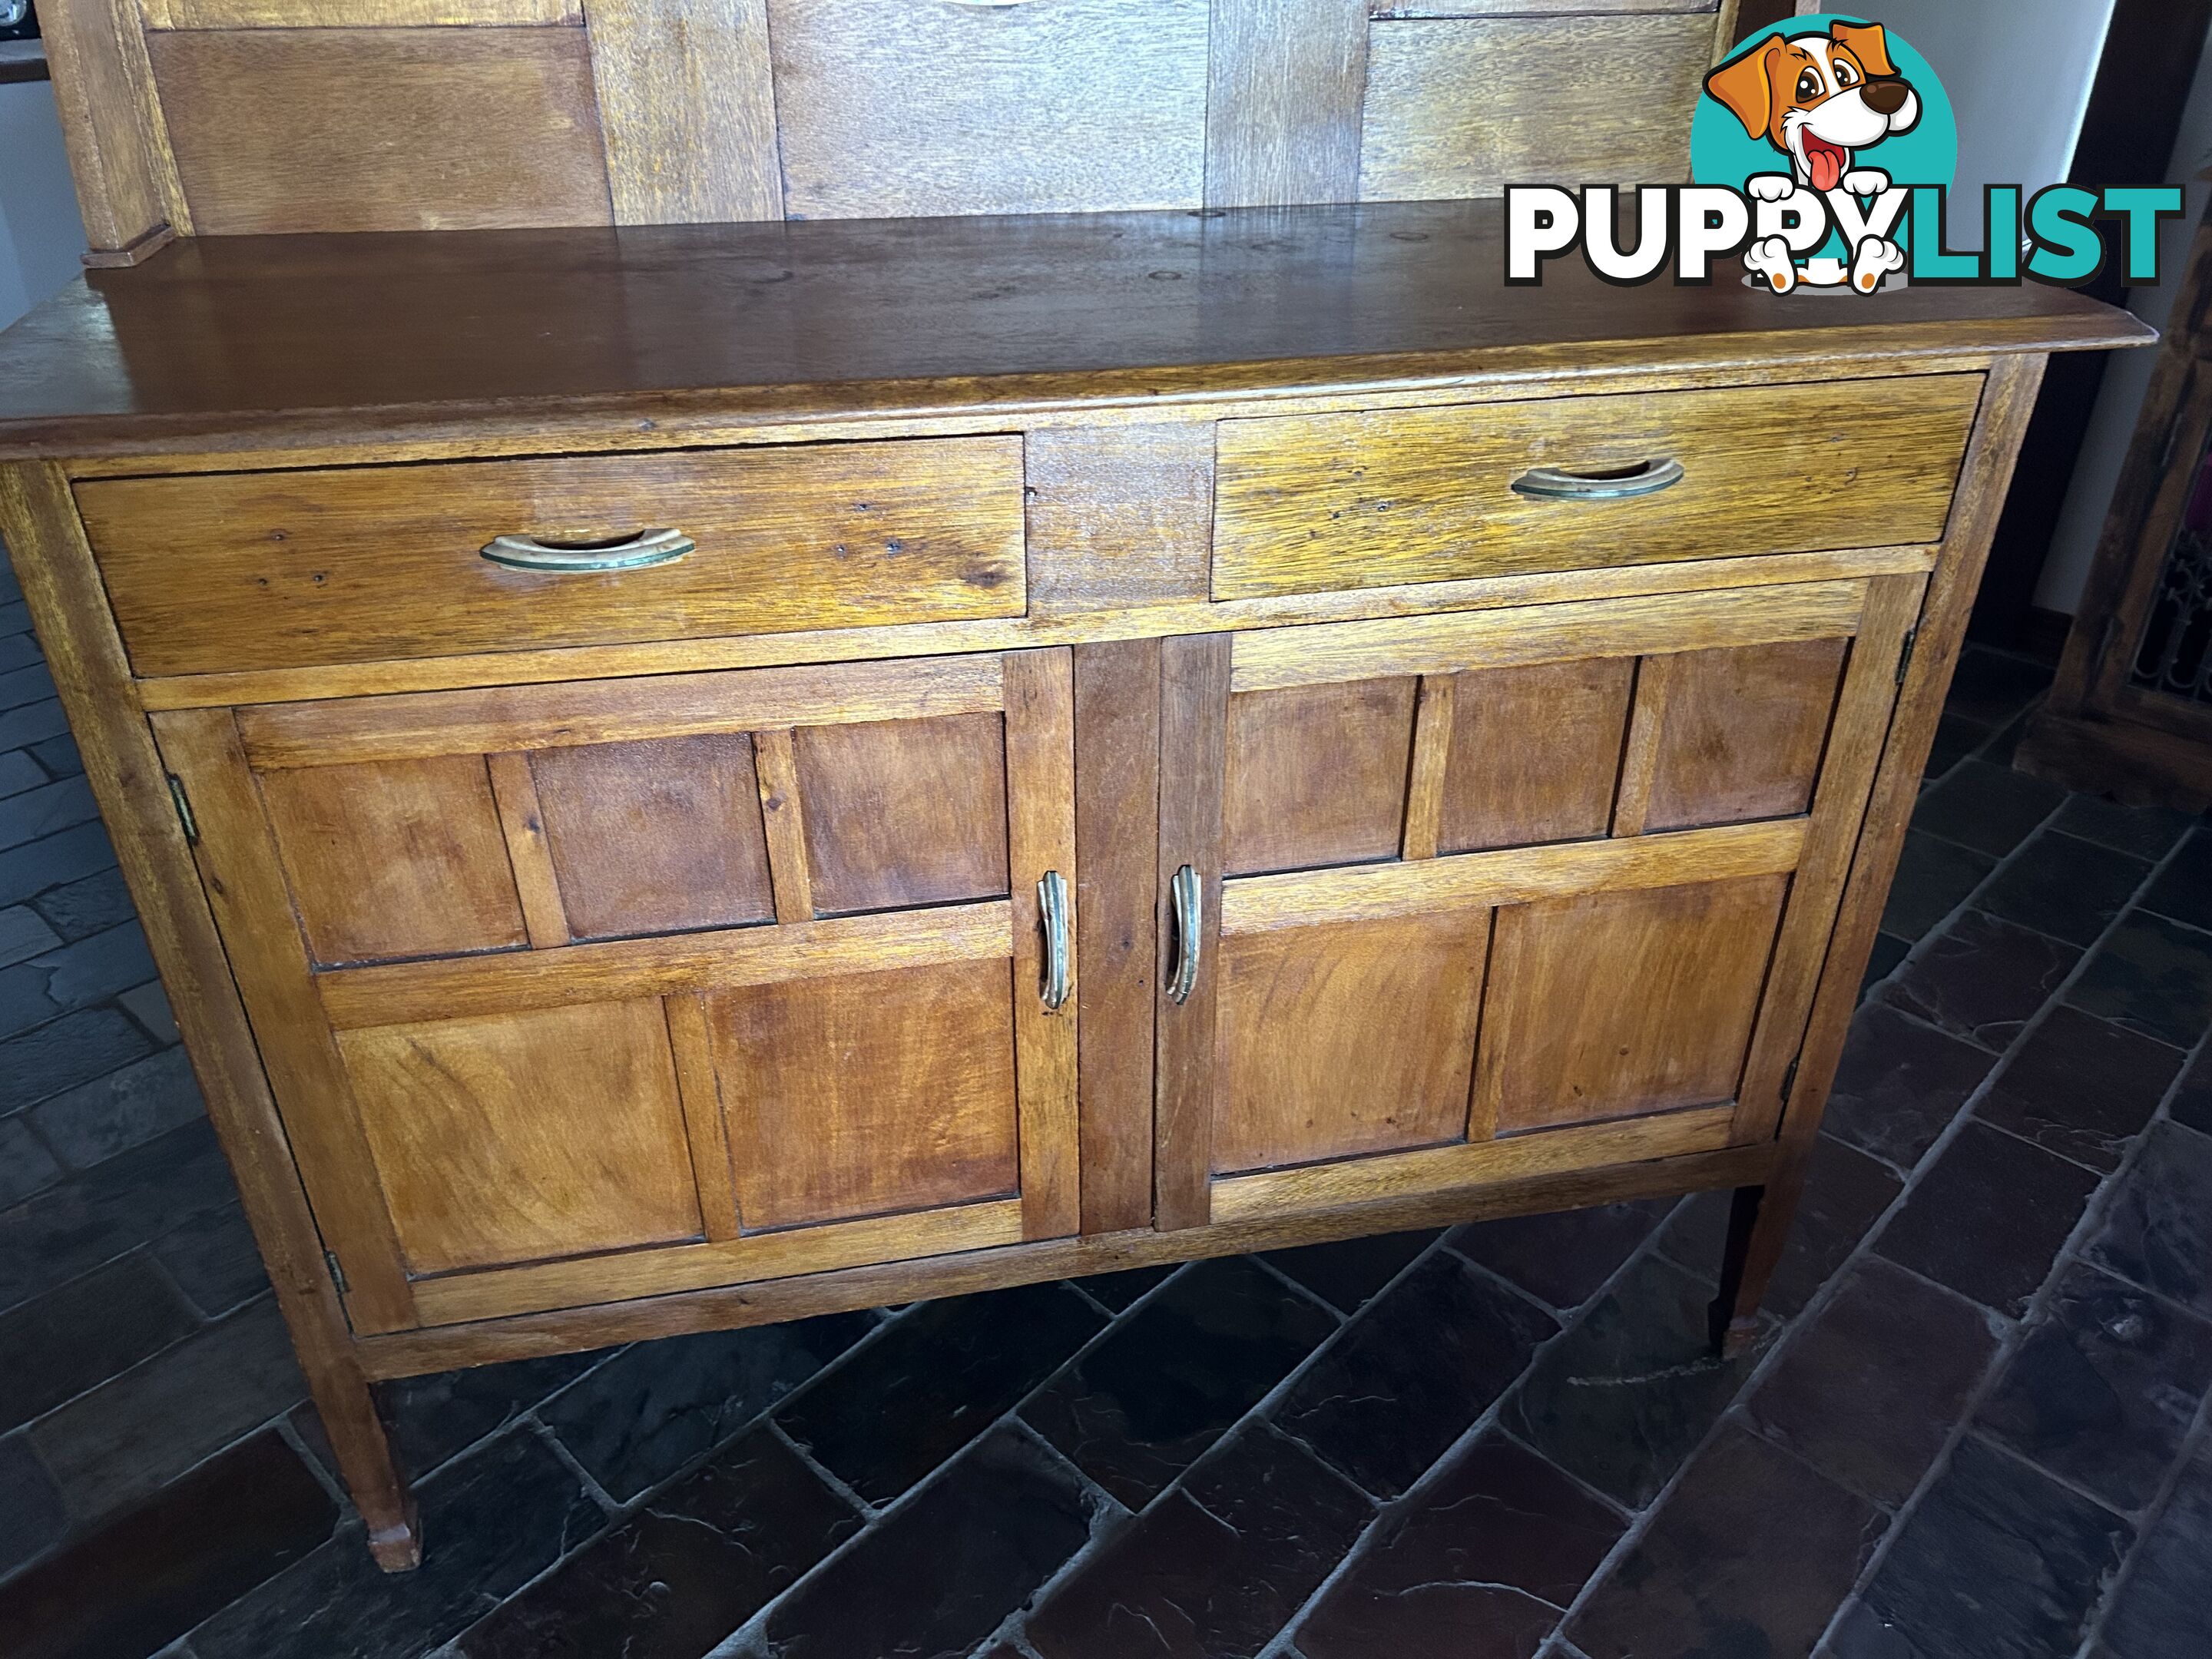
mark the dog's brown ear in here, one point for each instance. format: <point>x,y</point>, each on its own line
<point>1868,42</point>
<point>1745,86</point>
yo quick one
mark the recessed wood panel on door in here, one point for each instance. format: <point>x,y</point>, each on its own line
<point>611,989</point>
<point>1546,892</point>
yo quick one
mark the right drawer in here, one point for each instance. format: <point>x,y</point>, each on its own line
<point>1306,503</point>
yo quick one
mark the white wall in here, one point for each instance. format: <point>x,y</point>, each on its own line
<point>2127,376</point>
<point>2019,73</point>
<point>40,234</point>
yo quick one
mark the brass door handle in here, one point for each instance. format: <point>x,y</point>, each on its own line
<point>1189,920</point>
<point>1647,478</point>
<point>629,553</point>
<point>1052,906</point>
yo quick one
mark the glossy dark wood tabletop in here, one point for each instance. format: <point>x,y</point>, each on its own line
<point>220,338</point>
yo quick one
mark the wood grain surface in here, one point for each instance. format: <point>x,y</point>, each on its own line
<point>353,565</point>
<point>1078,105</point>
<point>382,128</point>
<point>520,1137</point>
<point>1339,500</point>
<point>417,337</point>
<point>687,107</point>
<point>1466,106</point>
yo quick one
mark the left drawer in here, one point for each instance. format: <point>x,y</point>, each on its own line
<point>211,573</point>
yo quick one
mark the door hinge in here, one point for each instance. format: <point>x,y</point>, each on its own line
<point>1790,1078</point>
<point>183,809</point>
<point>1904,657</point>
<point>337,1273</point>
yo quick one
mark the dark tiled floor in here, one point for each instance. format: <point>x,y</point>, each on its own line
<point>1975,1426</point>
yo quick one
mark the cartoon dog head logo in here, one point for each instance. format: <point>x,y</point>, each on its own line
<point>1821,100</point>
<point>1810,120</point>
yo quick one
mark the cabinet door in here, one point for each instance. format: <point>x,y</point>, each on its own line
<point>1497,894</point>
<point>572,993</point>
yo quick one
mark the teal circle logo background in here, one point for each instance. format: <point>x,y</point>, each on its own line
<point>1723,153</point>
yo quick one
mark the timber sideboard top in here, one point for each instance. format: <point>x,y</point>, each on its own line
<point>685,774</point>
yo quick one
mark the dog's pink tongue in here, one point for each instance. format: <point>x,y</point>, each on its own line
<point>1827,166</point>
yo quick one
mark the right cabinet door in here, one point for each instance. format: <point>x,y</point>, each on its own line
<point>1481,896</point>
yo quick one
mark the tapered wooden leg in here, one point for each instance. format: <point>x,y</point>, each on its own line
<point>1759,1228</point>
<point>363,1442</point>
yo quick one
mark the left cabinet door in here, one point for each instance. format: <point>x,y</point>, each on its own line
<point>579,992</point>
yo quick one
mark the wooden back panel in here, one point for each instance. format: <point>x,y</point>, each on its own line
<point>221,117</point>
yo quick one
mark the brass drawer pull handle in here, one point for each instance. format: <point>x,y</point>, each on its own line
<point>1052,906</point>
<point>1647,478</point>
<point>630,553</point>
<point>1189,918</point>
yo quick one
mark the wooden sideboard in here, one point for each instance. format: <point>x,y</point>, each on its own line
<point>687,775</point>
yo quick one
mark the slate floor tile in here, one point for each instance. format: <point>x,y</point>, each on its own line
<point>1956,738</point>
<point>18,771</point>
<point>29,870</point>
<point>148,1004</point>
<point>1344,1275</point>
<point>1411,1374</point>
<point>1997,1561</point>
<point>23,682</point>
<point>1481,1565</point>
<point>32,1516</point>
<point>1214,1569</point>
<point>703,1557</point>
<point>133,1198</point>
<point>1982,978</point>
<point>59,756</point>
<point>436,1418</point>
<point>1990,808</point>
<point>61,805</point>
<point>214,1260</point>
<point>87,906</point>
<point>1119,1291</point>
<point>1751,1541</point>
<point>491,1522</point>
<point>1989,1217</point>
<point>2191,1105</point>
<point>2066,887</point>
<point>939,1574</point>
<point>2158,1611</point>
<point>1933,877</point>
<point>132,1588</point>
<point>2184,888</point>
<point>25,1165</point>
<point>130,1436</point>
<point>2148,832</point>
<point>2081,1087</point>
<point>1145,1403</point>
<point>2157,1228</point>
<point>1625,1396</point>
<point>2151,975</point>
<point>75,1338</point>
<point>1887,956</point>
<point>2104,1388</point>
<point>637,1418</point>
<point>1845,1192</point>
<point>31,723</point>
<point>92,1123</point>
<point>24,934</point>
<point>1563,1259</point>
<point>1900,1084</point>
<point>1870,1390</point>
<point>1992,686</point>
<point>76,975</point>
<point>76,1048</point>
<point>939,1376</point>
